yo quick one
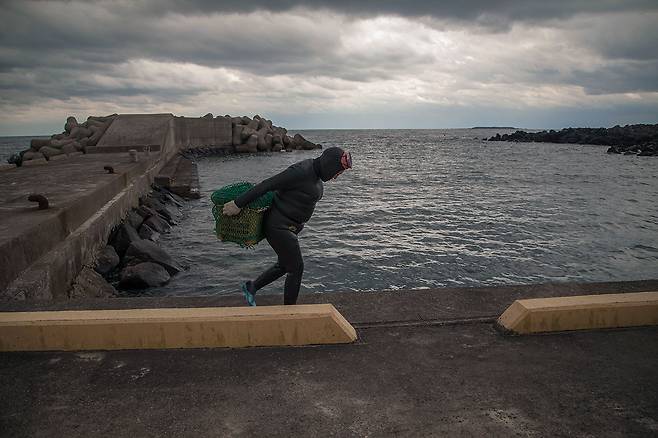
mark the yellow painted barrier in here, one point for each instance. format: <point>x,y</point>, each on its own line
<point>583,312</point>
<point>174,328</point>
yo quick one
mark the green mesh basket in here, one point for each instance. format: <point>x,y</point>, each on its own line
<point>245,228</point>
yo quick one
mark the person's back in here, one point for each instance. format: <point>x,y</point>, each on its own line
<point>298,201</point>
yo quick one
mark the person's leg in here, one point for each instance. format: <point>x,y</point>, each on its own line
<point>290,259</point>
<point>277,238</point>
<point>272,273</point>
<point>285,244</point>
<point>293,282</point>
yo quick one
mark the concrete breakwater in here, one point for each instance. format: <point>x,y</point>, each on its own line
<point>86,193</point>
<point>218,134</point>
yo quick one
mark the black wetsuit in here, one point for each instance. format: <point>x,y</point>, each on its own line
<point>297,190</point>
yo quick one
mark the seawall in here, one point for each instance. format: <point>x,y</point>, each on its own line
<point>43,250</point>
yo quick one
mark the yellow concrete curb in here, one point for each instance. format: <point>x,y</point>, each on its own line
<point>583,312</point>
<point>174,328</point>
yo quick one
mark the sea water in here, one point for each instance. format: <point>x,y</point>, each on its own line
<point>437,208</point>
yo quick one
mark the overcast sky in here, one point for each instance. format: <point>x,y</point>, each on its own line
<point>332,64</point>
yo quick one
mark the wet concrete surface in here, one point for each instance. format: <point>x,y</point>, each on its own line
<point>76,189</point>
<point>430,365</point>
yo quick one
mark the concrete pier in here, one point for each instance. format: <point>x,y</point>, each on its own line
<point>42,251</point>
<point>427,363</point>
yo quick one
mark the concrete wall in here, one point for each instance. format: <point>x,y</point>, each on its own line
<point>192,132</point>
<point>50,276</point>
<point>136,130</point>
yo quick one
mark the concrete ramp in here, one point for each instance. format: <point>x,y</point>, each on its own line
<point>174,328</point>
<point>136,131</point>
<point>585,312</point>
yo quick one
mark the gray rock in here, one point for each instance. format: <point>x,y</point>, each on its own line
<point>174,199</point>
<point>152,202</point>
<point>71,148</point>
<point>60,143</point>
<point>32,155</point>
<point>92,122</point>
<point>49,152</point>
<point>262,144</point>
<point>287,140</point>
<point>97,133</point>
<point>246,133</point>
<point>158,224</point>
<point>145,212</point>
<point>134,219</point>
<point>148,233</point>
<point>123,237</point>
<point>38,143</point>
<point>208,116</point>
<point>301,143</point>
<point>252,143</point>
<point>148,251</point>
<point>253,124</point>
<point>268,141</point>
<point>236,120</point>
<point>143,275</point>
<point>90,284</point>
<point>80,132</point>
<point>277,147</point>
<point>107,260</point>
<point>71,123</point>
<point>246,120</point>
<point>171,214</point>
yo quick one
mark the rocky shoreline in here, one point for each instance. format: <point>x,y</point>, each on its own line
<point>641,139</point>
<point>74,140</point>
<point>132,261</point>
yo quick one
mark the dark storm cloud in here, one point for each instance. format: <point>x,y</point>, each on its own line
<point>508,10</point>
<point>59,51</point>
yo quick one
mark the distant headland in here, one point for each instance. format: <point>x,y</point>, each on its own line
<point>641,139</point>
<point>493,127</point>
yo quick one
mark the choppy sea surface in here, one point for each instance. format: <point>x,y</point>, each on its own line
<point>436,208</point>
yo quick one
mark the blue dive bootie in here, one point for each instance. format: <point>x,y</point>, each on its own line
<point>248,295</point>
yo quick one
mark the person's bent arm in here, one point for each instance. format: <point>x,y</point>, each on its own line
<point>281,180</point>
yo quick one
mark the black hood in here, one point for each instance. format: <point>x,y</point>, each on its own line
<point>327,165</point>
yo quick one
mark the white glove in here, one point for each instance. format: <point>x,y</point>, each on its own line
<point>230,209</point>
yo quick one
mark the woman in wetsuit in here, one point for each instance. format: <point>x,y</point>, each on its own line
<point>297,190</point>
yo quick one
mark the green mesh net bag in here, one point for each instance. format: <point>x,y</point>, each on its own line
<point>245,228</point>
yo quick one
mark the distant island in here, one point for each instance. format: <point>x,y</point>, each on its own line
<point>493,127</point>
<point>641,139</point>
